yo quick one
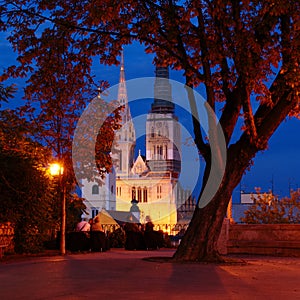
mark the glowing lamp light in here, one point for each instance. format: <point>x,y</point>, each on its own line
<point>56,169</point>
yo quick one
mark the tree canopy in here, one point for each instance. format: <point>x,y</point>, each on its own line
<point>244,53</point>
<point>29,194</point>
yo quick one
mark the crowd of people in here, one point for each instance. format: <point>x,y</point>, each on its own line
<point>136,236</point>
<point>87,236</point>
<point>90,225</point>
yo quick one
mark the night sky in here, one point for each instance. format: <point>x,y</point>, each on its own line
<point>275,169</point>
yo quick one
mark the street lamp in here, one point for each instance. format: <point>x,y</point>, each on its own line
<point>57,169</point>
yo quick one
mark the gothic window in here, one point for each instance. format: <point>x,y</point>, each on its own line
<point>139,194</point>
<point>94,212</point>
<point>152,131</point>
<point>120,161</point>
<point>120,191</point>
<point>112,189</point>
<point>158,191</point>
<point>166,154</point>
<point>145,195</point>
<point>133,193</point>
<point>95,189</point>
<point>167,131</point>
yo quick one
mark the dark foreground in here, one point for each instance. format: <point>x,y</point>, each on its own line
<point>120,274</point>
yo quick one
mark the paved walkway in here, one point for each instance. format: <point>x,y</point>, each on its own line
<point>120,274</point>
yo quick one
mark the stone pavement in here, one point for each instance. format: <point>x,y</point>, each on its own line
<point>120,274</point>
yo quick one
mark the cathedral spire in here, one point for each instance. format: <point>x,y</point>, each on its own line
<point>122,72</point>
<point>126,134</point>
<point>122,92</point>
<point>163,152</point>
<point>162,92</point>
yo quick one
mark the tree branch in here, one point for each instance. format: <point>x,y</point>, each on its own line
<point>205,59</point>
<point>231,111</point>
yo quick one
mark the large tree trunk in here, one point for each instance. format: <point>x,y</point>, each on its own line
<point>200,240</point>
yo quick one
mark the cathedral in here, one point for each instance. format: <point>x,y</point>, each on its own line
<point>147,185</point>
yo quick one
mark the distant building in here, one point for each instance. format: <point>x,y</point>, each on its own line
<point>246,201</point>
<point>247,198</point>
<point>98,197</point>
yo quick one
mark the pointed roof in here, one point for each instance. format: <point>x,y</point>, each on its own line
<point>162,92</point>
<point>121,217</point>
<point>139,167</point>
<point>114,217</point>
<point>122,91</point>
<point>106,218</point>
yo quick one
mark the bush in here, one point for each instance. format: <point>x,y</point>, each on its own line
<point>268,209</point>
<point>26,202</point>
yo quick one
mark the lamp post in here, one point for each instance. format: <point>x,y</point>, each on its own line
<point>58,170</point>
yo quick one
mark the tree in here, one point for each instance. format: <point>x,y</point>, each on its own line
<point>244,53</point>
<point>59,86</point>
<point>27,193</point>
<point>29,209</point>
<point>268,209</point>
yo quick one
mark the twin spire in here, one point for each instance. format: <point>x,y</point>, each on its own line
<point>122,92</point>
<point>162,92</point>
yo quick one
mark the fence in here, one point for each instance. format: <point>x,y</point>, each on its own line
<point>271,239</point>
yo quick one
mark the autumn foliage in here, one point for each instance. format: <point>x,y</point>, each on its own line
<point>268,209</point>
<point>244,54</point>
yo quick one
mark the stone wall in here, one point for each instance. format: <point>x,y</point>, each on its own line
<point>223,238</point>
<point>6,236</point>
<point>270,239</point>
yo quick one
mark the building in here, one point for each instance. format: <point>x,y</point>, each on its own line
<point>150,180</point>
<point>99,194</point>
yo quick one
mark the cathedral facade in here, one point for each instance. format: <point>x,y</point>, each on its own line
<point>152,179</point>
<point>148,183</point>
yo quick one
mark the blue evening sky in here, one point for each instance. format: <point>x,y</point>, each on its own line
<point>276,168</point>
